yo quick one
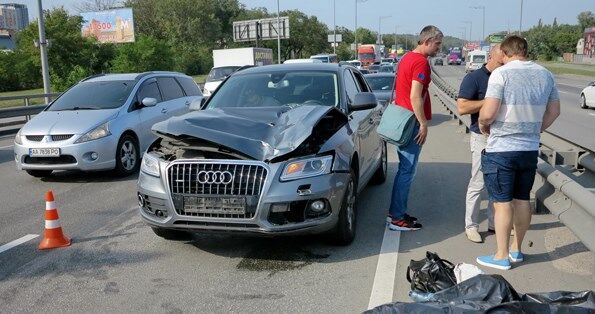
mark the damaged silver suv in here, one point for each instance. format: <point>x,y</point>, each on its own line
<point>280,149</point>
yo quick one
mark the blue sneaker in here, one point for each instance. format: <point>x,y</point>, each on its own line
<point>489,261</point>
<point>516,257</point>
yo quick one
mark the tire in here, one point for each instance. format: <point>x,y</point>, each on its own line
<point>127,155</point>
<point>381,173</point>
<point>39,173</point>
<point>172,234</point>
<point>584,102</point>
<point>344,232</point>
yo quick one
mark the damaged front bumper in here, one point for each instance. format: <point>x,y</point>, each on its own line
<point>199,195</point>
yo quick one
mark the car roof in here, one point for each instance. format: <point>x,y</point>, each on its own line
<point>326,67</point>
<point>127,76</point>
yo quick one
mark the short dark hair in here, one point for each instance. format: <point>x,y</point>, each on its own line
<point>514,46</point>
<point>429,32</point>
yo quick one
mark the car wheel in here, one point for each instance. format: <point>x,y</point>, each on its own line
<point>344,232</point>
<point>381,173</point>
<point>127,155</point>
<point>171,234</point>
<point>584,102</point>
<point>39,173</point>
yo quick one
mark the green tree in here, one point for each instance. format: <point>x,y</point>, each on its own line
<point>145,54</point>
<point>365,36</point>
<point>586,19</point>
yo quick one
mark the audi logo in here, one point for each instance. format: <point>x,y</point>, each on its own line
<point>214,177</point>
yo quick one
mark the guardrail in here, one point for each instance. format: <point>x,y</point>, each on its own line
<point>24,111</point>
<point>565,179</point>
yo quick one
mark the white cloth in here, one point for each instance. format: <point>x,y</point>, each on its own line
<point>465,271</point>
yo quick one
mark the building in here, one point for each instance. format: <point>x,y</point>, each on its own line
<point>13,16</point>
<point>6,40</point>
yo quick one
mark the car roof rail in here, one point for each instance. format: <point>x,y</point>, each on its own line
<point>141,75</point>
<point>92,76</point>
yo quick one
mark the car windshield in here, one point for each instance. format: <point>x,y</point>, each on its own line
<point>373,67</point>
<point>479,59</point>
<point>381,83</point>
<point>277,89</point>
<point>94,95</point>
<point>324,59</point>
<point>363,56</point>
<point>219,74</point>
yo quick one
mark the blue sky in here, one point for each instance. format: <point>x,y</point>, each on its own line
<point>411,16</point>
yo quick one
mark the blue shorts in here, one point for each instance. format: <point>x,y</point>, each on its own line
<point>509,175</point>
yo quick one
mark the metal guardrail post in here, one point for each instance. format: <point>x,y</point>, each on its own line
<point>27,117</point>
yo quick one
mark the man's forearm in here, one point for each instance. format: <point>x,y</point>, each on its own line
<point>418,110</point>
<point>551,114</point>
<point>466,106</point>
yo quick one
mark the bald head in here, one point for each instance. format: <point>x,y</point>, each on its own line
<point>496,58</point>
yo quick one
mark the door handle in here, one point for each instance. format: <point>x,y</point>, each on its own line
<point>187,103</point>
<point>163,110</point>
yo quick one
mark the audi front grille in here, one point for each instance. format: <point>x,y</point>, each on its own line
<point>216,190</point>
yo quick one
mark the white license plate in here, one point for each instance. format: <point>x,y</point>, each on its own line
<point>44,152</point>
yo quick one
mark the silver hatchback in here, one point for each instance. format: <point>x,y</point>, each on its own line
<point>103,122</point>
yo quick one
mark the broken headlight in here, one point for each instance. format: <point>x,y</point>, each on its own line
<point>150,165</point>
<point>304,168</point>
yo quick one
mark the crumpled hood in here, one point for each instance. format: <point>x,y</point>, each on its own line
<point>261,133</point>
<point>67,122</point>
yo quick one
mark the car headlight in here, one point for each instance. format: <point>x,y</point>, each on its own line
<point>150,165</point>
<point>97,133</point>
<point>18,139</point>
<point>305,168</point>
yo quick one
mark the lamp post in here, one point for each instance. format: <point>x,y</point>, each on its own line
<point>278,34</point>
<point>470,29</point>
<point>483,27</point>
<point>379,32</point>
<point>464,33</point>
<point>44,53</point>
<point>355,30</point>
<point>334,28</point>
<point>521,20</point>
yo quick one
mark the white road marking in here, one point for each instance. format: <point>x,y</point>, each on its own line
<point>384,280</point>
<point>591,114</point>
<point>561,91</point>
<point>16,242</point>
<point>8,146</point>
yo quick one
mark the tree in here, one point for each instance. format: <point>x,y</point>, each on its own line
<point>96,5</point>
<point>365,36</point>
<point>539,24</point>
<point>145,54</point>
<point>586,19</point>
<point>555,24</point>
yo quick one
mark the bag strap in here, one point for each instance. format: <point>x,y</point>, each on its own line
<point>408,274</point>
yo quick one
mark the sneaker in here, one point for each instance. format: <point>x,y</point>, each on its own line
<point>473,235</point>
<point>404,225</point>
<point>389,218</point>
<point>491,230</point>
<point>489,261</point>
<point>516,257</point>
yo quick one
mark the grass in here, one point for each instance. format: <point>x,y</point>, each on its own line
<point>200,79</point>
<point>560,68</point>
<point>20,102</point>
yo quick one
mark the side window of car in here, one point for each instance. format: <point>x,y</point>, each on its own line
<point>149,89</point>
<point>361,82</point>
<point>350,86</point>
<point>170,88</point>
<point>190,87</point>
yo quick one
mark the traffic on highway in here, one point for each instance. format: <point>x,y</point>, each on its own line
<point>250,170</point>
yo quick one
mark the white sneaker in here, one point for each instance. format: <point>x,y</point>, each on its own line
<point>473,235</point>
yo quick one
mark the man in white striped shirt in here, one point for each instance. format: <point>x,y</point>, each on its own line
<point>521,101</point>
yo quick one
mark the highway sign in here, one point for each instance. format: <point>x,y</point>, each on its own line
<point>339,38</point>
<point>262,29</point>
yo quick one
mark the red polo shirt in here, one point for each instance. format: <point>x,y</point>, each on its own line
<point>413,67</point>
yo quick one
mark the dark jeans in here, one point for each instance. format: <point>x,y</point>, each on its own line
<point>408,157</point>
<point>509,175</point>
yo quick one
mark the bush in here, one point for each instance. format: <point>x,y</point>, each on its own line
<point>146,54</point>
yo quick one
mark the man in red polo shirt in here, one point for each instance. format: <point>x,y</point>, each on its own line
<point>411,88</point>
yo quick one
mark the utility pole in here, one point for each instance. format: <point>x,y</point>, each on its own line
<point>334,29</point>
<point>278,33</point>
<point>44,53</point>
<point>483,29</point>
<point>521,20</point>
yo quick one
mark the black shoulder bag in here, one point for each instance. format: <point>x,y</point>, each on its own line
<point>432,274</point>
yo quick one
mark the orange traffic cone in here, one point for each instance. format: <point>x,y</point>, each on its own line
<point>53,237</point>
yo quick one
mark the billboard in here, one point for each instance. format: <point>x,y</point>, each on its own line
<point>496,38</point>
<point>263,29</point>
<point>109,26</point>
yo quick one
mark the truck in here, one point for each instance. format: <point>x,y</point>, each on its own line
<point>227,61</point>
<point>475,60</point>
<point>369,54</point>
<point>454,57</point>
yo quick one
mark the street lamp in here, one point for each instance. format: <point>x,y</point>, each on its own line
<point>355,30</point>
<point>464,33</point>
<point>379,33</point>
<point>483,28</point>
<point>44,54</point>
<point>521,21</point>
<point>278,34</point>
<point>470,29</point>
<point>334,29</point>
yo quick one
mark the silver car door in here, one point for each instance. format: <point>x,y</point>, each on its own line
<point>147,116</point>
<point>174,100</point>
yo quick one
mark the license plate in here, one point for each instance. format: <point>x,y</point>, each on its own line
<point>215,205</point>
<point>44,152</point>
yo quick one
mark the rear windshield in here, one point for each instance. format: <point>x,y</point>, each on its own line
<point>94,95</point>
<point>219,74</point>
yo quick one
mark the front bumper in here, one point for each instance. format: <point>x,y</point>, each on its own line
<point>72,156</point>
<point>154,196</point>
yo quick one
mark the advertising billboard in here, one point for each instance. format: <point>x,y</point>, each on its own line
<point>109,26</point>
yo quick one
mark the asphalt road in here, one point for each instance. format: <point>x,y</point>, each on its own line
<point>574,124</point>
<point>116,263</point>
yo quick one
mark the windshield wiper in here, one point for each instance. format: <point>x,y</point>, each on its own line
<point>78,108</point>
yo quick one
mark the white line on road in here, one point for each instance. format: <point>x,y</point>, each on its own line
<point>561,91</point>
<point>3,147</point>
<point>384,280</point>
<point>16,242</point>
<point>591,114</point>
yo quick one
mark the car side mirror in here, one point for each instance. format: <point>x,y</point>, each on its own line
<point>363,101</point>
<point>149,102</point>
<point>592,84</point>
<point>197,104</point>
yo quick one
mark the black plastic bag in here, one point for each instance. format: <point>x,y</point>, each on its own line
<point>432,274</point>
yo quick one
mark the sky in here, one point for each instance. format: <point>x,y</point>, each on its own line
<point>454,17</point>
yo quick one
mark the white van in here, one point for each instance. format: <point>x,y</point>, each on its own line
<point>302,61</point>
<point>475,59</point>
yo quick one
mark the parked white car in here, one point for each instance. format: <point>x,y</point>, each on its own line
<point>588,96</point>
<point>102,122</point>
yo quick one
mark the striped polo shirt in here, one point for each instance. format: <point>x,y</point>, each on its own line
<point>524,89</point>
